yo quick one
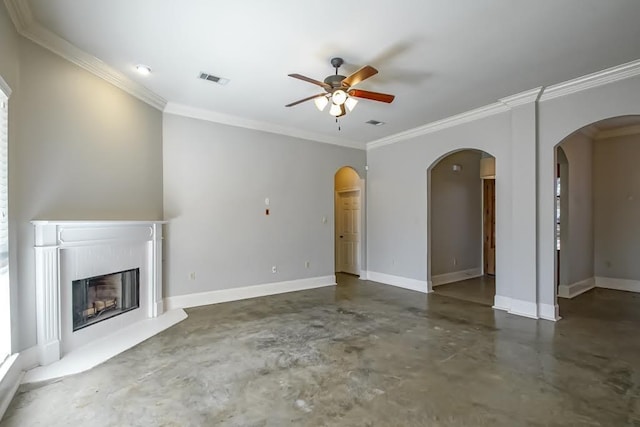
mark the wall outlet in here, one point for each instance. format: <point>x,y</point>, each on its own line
<point>307,264</point>
<point>455,261</point>
<point>274,269</point>
<point>192,275</point>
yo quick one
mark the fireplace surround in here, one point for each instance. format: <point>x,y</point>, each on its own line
<point>68,252</point>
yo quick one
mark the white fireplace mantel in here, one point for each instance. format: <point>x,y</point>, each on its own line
<point>66,250</point>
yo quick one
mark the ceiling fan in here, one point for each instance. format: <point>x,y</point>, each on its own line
<point>340,90</point>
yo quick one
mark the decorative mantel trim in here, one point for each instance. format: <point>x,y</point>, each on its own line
<point>53,236</point>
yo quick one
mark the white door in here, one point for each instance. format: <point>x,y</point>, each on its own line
<point>348,223</point>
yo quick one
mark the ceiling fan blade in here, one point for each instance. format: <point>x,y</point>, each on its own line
<point>305,99</point>
<point>310,80</point>
<point>360,75</point>
<point>343,111</point>
<point>375,96</point>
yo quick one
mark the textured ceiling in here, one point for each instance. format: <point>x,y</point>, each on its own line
<point>438,57</point>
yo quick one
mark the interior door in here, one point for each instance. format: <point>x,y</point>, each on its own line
<point>489,225</point>
<point>349,232</point>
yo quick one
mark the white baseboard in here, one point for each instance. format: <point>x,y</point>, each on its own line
<point>574,289</point>
<point>29,358</point>
<point>101,350</point>
<point>10,376</point>
<point>501,302</point>
<point>618,284</point>
<point>549,312</point>
<point>456,276</point>
<point>364,275</point>
<point>523,308</point>
<point>246,292</point>
<point>400,282</point>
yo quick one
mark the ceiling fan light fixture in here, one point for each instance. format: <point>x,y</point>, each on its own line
<point>339,97</point>
<point>350,103</point>
<point>321,102</point>
<point>145,70</point>
<point>335,110</point>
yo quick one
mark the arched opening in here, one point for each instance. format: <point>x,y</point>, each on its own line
<point>461,226</point>
<point>597,210</point>
<point>348,214</point>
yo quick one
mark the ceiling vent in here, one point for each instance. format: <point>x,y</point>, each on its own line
<point>374,122</point>
<point>215,79</point>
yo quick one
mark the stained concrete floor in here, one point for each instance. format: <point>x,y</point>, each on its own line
<point>479,289</point>
<point>362,354</point>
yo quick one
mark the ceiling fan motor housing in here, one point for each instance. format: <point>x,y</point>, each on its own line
<point>335,81</point>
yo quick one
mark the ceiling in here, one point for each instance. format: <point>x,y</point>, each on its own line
<point>438,57</point>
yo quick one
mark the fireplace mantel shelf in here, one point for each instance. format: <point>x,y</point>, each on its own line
<point>97,222</point>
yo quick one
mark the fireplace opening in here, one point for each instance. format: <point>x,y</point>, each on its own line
<point>99,298</point>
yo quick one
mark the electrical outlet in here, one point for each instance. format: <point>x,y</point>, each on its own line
<point>455,261</point>
<point>274,269</point>
<point>192,275</point>
<point>307,264</point>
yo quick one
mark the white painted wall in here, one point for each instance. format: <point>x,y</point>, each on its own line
<point>456,213</point>
<point>617,207</point>
<point>579,243</point>
<point>216,179</point>
<point>79,149</point>
<point>559,117</point>
<point>397,197</point>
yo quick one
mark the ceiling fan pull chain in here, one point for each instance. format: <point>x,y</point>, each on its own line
<point>338,123</point>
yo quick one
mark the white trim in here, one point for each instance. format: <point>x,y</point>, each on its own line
<point>246,292</point>
<point>364,275</point>
<point>523,308</point>
<point>523,98</point>
<point>590,131</point>
<point>226,119</point>
<point>105,348</point>
<point>10,377</point>
<point>609,75</point>
<point>4,87</point>
<point>28,27</point>
<point>618,284</point>
<point>458,119</point>
<point>549,312</point>
<point>613,133</point>
<point>574,289</point>
<point>501,302</point>
<point>456,276</point>
<point>400,282</point>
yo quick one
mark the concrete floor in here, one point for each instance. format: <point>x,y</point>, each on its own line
<point>479,289</point>
<point>362,354</point>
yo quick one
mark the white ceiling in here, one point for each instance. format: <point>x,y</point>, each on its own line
<point>438,57</point>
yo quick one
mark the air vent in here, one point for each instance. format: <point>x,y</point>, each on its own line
<point>215,79</point>
<point>374,122</point>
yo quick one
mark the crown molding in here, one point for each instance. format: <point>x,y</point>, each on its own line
<point>522,98</point>
<point>26,26</point>
<point>610,75</point>
<point>466,117</point>
<point>225,119</point>
<point>613,133</point>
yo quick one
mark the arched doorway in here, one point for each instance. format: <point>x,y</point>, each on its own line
<point>597,207</point>
<point>461,200</point>
<point>348,222</point>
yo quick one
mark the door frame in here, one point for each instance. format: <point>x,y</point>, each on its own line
<point>359,255</point>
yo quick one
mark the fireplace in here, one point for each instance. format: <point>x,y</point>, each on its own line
<point>99,298</point>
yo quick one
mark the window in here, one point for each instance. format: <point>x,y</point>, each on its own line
<point>5,306</point>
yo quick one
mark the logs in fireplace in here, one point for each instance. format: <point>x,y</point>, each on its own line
<point>102,297</point>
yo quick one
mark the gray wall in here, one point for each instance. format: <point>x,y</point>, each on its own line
<point>79,148</point>
<point>617,207</point>
<point>216,179</point>
<point>579,242</point>
<point>456,213</point>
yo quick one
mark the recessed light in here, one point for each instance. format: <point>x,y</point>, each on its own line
<point>145,70</point>
<point>374,122</point>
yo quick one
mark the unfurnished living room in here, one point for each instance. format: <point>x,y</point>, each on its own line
<point>252,213</point>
